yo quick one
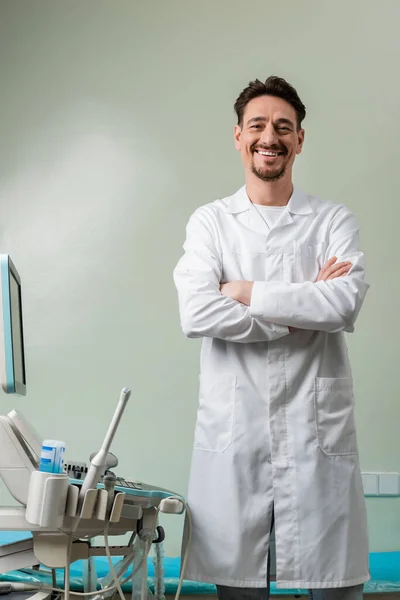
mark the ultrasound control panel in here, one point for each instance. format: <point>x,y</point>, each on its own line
<point>77,472</point>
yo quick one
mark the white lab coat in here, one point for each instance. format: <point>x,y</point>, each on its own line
<point>275,428</point>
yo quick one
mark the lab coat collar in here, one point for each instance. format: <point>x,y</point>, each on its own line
<point>299,203</point>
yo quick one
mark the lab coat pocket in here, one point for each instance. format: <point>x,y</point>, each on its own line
<point>334,415</point>
<point>307,262</point>
<point>215,415</point>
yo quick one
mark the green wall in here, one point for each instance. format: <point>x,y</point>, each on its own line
<point>116,123</point>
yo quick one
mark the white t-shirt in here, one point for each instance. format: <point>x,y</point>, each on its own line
<point>270,214</point>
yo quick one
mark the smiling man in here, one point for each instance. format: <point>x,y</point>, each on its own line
<point>271,278</point>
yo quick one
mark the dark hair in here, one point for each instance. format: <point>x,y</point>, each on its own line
<point>273,86</point>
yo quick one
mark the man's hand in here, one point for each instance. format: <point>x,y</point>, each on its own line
<point>241,290</point>
<point>238,290</point>
<point>330,270</point>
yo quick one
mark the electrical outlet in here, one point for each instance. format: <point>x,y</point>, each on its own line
<point>389,484</point>
<point>370,484</point>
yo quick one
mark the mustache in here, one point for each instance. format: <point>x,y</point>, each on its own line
<point>273,148</point>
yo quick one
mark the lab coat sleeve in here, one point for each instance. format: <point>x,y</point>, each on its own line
<point>204,311</point>
<point>330,306</point>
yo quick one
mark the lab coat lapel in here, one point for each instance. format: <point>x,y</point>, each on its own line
<point>299,204</point>
<point>285,219</point>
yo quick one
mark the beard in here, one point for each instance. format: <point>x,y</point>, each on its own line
<point>266,173</point>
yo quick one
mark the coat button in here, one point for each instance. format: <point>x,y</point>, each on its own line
<point>269,459</point>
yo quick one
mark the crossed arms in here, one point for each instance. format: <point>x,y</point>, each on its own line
<point>243,311</point>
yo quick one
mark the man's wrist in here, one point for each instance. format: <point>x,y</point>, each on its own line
<point>245,291</point>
